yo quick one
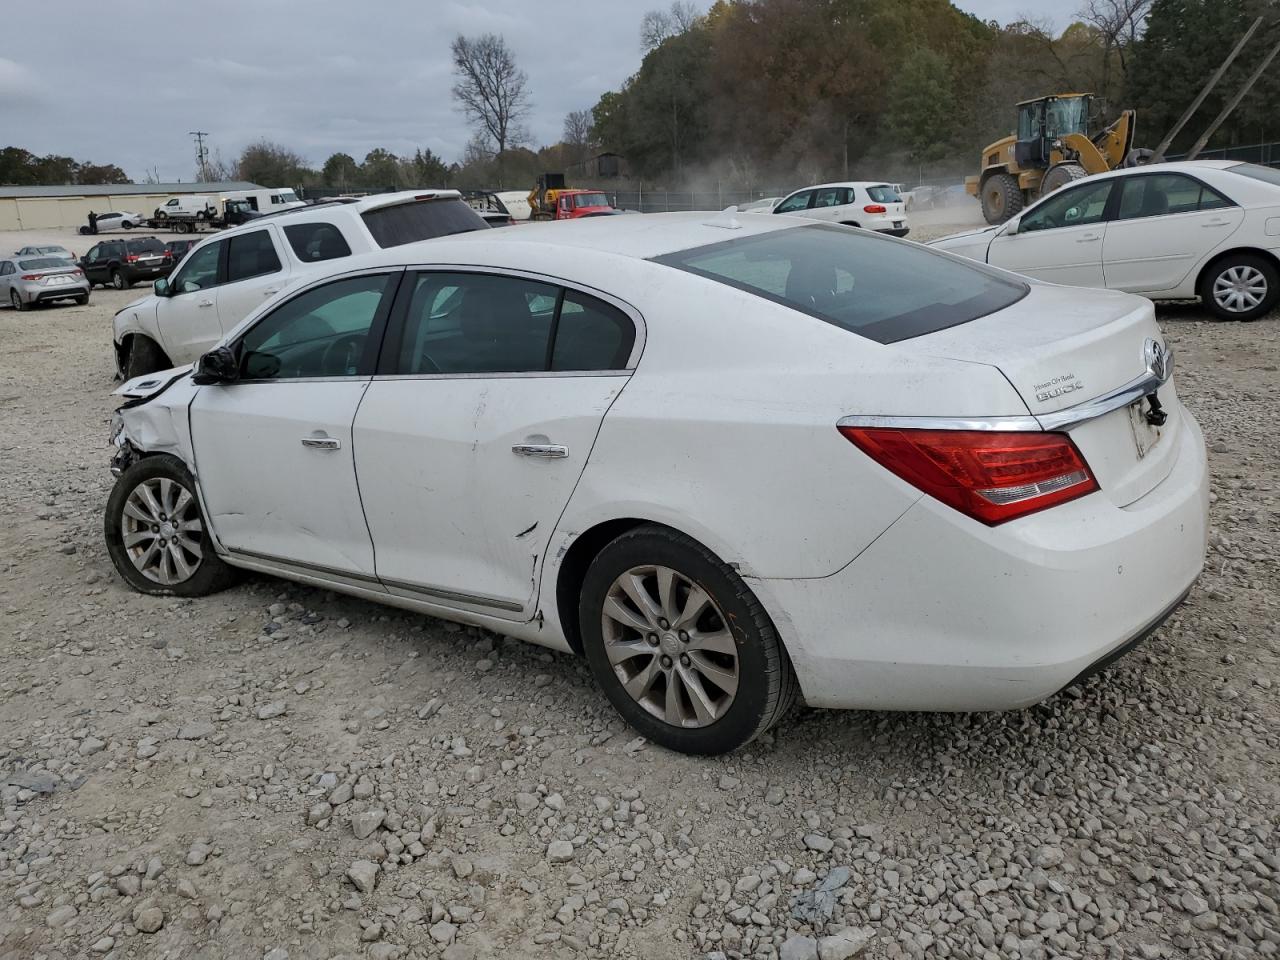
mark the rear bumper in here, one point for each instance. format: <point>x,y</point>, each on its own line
<point>943,613</point>
<point>62,292</point>
<point>896,232</point>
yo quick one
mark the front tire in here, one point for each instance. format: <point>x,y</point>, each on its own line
<point>1240,286</point>
<point>127,224</point>
<point>156,535</point>
<point>145,356</point>
<point>1001,197</point>
<point>1058,176</point>
<point>680,645</point>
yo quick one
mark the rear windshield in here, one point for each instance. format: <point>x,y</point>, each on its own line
<point>149,245</point>
<point>884,194</point>
<point>872,286</point>
<point>42,263</point>
<point>420,220</point>
<point>1252,170</point>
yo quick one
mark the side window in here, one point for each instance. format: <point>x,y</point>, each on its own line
<point>1156,195</point>
<point>799,201</point>
<point>251,255</point>
<point>320,333</point>
<point>476,323</point>
<point>200,270</point>
<point>92,255</point>
<point>172,203</point>
<point>313,242</point>
<point>828,197</point>
<point>591,335</point>
<point>1076,207</point>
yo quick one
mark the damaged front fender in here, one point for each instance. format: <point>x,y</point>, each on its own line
<point>154,418</point>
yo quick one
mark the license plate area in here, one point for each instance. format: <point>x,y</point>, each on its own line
<point>1145,434</point>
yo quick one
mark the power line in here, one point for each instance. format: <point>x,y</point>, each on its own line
<point>202,154</point>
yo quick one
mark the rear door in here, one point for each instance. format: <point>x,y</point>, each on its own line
<point>1165,224</point>
<point>1059,240</point>
<point>469,441</point>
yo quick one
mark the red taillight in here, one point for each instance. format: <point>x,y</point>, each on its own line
<point>33,276</point>
<point>875,208</point>
<point>989,475</point>
<point>131,258</point>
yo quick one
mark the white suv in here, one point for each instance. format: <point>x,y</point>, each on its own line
<point>868,204</point>
<point>227,276</point>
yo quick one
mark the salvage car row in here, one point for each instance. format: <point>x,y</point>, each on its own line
<point>731,459</point>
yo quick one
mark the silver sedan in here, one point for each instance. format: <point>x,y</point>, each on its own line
<point>29,281</point>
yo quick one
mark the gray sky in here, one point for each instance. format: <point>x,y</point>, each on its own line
<point>318,76</point>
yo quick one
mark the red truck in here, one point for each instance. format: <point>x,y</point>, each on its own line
<point>551,200</point>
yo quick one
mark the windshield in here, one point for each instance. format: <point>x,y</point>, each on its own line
<point>1255,172</point>
<point>591,200</point>
<point>42,263</point>
<point>884,194</point>
<point>878,288</point>
<point>288,196</point>
<point>1066,116</point>
<point>420,220</point>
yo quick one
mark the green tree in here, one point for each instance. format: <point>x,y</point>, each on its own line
<point>425,169</point>
<point>341,171</point>
<point>272,165</point>
<point>104,173</point>
<point>381,169</point>
<point>922,105</point>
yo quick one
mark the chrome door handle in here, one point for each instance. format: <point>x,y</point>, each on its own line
<point>205,303</point>
<point>542,451</point>
<point>321,443</point>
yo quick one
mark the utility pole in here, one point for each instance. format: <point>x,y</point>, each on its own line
<point>202,154</point>
<point>1234,102</point>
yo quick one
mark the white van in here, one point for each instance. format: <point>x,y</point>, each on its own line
<point>271,200</point>
<point>187,206</point>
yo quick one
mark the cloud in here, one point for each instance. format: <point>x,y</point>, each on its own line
<point>17,82</point>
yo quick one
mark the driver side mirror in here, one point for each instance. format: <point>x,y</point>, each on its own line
<point>161,287</point>
<point>219,365</point>
<point>1012,227</point>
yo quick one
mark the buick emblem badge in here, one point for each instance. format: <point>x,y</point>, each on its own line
<point>1159,359</point>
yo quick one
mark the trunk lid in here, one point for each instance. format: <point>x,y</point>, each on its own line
<point>1060,347</point>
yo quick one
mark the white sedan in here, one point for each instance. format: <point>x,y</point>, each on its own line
<point>1203,228</point>
<point>730,459</point>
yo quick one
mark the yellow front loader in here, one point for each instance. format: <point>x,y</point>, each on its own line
<point>1052,147</point>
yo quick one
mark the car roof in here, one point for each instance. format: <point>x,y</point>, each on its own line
<point>640,237</point>
<point>1174,166</point>
<point>846,183</point>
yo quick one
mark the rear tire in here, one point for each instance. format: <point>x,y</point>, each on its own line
<point>117,280</point>
<point>145,356</point>
<point>664,673</point>
<point>154,502</point>
<point>16,301</point>
<point>1001,197</point>
<point>1240,286</point>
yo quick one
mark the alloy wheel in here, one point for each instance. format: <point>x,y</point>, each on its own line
<point>162,533</point>
<point>670,646</point>
<point>1240,289</point>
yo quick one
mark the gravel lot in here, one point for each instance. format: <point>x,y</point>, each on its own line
<point>279,772</point>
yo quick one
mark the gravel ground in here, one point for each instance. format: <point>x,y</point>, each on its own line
<point>281,772</point>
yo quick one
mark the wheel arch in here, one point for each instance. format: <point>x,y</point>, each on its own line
<point>578,550</point>
<point>1221,255</point>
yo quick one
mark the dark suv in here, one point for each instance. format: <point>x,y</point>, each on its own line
<point>122,263</point>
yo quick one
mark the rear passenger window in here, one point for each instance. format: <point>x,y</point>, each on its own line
<point>591,335</point>
<point>477,323</point>
<point>1157,195</point>
<point>313,242</point>
<point>251,255</point>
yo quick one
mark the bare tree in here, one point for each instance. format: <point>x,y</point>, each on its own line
<point>660,25</point>
<point>491,90</point>
<point>578,134</point>
<point>1119,23</point>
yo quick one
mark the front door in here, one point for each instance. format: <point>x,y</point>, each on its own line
<point>1165,224</point>
<point>1059,239</point>
<point>470,445</point>
<point>273,450</point>
<point>254,274</point>
<point>187,318</point>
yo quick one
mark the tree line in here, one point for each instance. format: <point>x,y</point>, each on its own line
<point>23,168</point>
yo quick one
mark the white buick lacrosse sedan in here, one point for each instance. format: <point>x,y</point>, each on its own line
<point>732,460</point>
